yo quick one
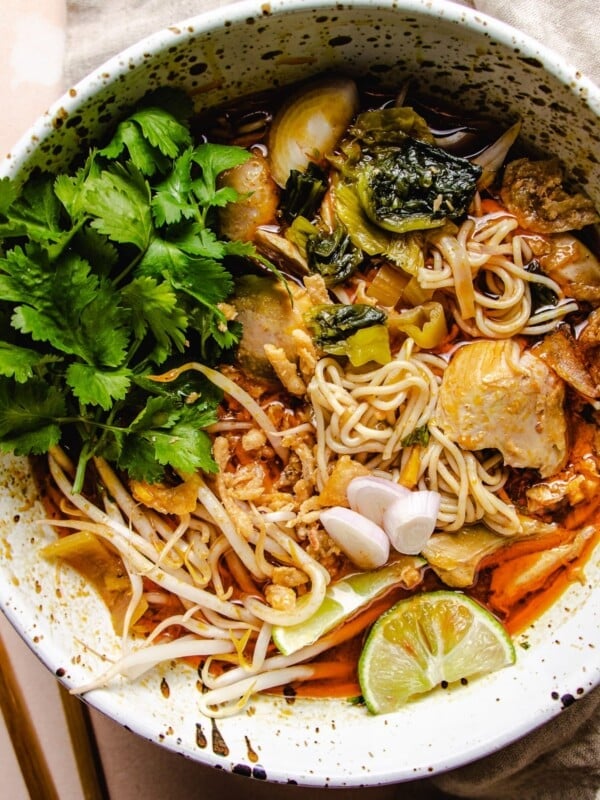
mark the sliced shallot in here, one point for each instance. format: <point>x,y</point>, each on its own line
<point>364,542</point>
<point>410,521</point>
<point>371,496</point>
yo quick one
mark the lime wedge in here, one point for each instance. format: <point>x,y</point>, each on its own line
<point>346,597</point>
<point>426,640</point>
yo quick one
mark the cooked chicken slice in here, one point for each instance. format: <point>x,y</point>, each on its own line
<point>561,351</point>
<point>589,342</point>
<point>281,251</point>
<point>495,396</point>
<point>534,192</point>
<point>565,259</point>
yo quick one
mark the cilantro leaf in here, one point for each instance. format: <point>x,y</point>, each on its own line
<point>97,387</point>
<point>162,130</point>
<point>159,412</point>
<point>154,307</point>
<point>119,200</point>
<point>65,305</point>
<point>172,200</point>
<point>183,447</point>
<point>70,191</point>
<point>18,362</point>
<point>152,137</point>
<point>28,416</point>
<point>198,241</point>
<point>35,212</point>
<point>97,249</point>
<point>204,279</point>
<point>8,194</point>
<point>145,157</point>
<point>167,435</point>
<point>213,159</point>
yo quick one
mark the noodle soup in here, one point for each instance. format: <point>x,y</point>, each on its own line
<point>385,290</point>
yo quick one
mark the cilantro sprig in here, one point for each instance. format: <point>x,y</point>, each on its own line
<point>108,273</point>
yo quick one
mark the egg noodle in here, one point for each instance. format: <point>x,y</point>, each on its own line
<point>489,248</point>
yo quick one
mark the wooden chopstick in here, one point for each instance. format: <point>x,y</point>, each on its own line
<point>85,748</point>
<point>25,741</point>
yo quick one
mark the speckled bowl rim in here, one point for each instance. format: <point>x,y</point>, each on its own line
<point>570,681</point>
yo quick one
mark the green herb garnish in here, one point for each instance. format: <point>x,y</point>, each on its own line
<point>109,274</point>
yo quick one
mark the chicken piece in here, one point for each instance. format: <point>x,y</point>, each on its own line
<point>565,259</point>
<point>317,290</point>
<point>259,197</point>
<point>495,396</point>
<point>533,191</point>
<point>561,351</point>
<point>282,252</point>
<point>589,342</point>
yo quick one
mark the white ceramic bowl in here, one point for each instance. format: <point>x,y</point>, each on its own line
<point>454,53</point>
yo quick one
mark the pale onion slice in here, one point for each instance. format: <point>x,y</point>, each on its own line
<point>410,521</point>
<point>371,496</point>
<point>360,539</point>
<point>309,125</point>
<point>493,157</point>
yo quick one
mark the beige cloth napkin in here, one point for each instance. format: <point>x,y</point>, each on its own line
<point>560,760</point>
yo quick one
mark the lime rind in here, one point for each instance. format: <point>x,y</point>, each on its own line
<point>344,598</point>
<point>426,640</point>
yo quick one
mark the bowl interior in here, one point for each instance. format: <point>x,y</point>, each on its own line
<point>445,50</point>
<point>448,52</point>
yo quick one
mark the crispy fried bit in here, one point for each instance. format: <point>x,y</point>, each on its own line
<point>533,191</point>
<point>307,353</point>
<point>285,370</point>
<point>289,576</point>
<point>221,452</point>
<point>179,499</point>
<point>247,482</point>
<point>253,439</point>
<point>281,598</point>
<point>317,290</point>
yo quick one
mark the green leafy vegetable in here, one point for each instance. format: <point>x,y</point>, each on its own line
<point>333,324</point>
<point>303,192</point>
<point>414,186</point>
<point>542,296</point>
<point>401,179</point>
<point>333,255</point>
<point>109,274</point>
<point>418,436</point>
<point>390,125</point>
